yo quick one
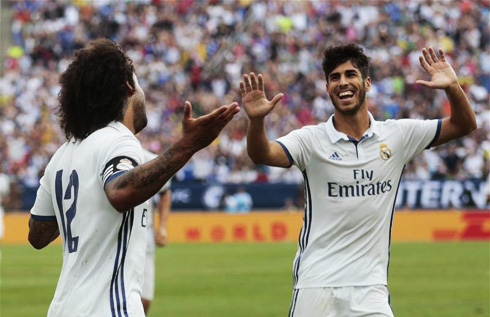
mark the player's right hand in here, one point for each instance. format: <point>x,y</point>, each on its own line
<point>253,97</point>
<point>161,237</point>
<point>200,132</point>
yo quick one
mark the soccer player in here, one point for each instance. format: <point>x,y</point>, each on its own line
<point>158,237</point>
<point>352,166</point>
<point>95,188</point>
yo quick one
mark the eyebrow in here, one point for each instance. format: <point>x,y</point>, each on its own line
<point>348,72</point>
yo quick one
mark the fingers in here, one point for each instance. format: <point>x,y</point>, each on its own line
<point>430,56</point>
<point>231,110</point>
<point>249,83</point>
<point>276,99</point>
<point>433,55</point>
<point>246,81</point>
<point>427,57</point>
<point>261,82</point>
<point>424,64</point>
<point>442,55</point>
<point>254,81</point>
<point>218,112</point>
<point>243,91</point>
<point>187,110</point>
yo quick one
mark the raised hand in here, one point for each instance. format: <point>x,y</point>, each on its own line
<point>253,97</point>
<point>200,132</point>
<point>441,73</point>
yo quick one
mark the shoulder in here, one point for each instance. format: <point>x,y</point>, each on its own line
<point>112,130</point>
<point>311,130</point>
<point>390,126</point>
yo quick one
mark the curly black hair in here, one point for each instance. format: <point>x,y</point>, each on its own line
<point>336,55</point>
<point>93,88</point>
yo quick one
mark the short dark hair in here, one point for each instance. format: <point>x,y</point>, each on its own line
<point>336,55</point>
<point>93,88</point>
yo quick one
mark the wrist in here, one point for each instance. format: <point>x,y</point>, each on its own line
<point>257,121</point>
<point>453,87</point>
<point>185,147</point>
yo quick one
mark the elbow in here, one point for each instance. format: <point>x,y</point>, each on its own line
<point>119,201</point>
<point>468,128</point>
<point>473,126</point>
<point>256,159</point>
<point>38,245</point>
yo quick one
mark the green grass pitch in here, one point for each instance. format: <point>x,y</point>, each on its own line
<point>254,279</point>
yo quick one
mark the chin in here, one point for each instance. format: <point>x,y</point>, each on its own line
<point>140,125</point>
<point>348,111</point>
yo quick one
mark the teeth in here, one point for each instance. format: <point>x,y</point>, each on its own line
<point>345,93</point>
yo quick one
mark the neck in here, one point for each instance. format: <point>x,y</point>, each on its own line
<point>128,119</point>
<point>352,125</point>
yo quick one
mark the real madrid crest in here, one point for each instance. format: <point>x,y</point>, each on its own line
<point>124,165</point>
<point>384,151</point>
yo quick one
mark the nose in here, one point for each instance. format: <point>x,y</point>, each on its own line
<point>343,80</point>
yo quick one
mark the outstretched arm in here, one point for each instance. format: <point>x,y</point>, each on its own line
<point>141,183</point>
<point>462,119</point>
<point>257,107</point>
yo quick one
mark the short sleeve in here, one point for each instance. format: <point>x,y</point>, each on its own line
<point>124,154</point>
<point>43,206</point>
<point>417,135</point>
<point>298,146</point>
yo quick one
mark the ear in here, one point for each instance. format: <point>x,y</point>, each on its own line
<point>367,82</point>
<point>130,89</point>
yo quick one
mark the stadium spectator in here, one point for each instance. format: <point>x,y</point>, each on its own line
<point>4,196</point>
<point>243,200</point>
<point>352,166</point>
<point>100,170</point>
<point>197,50</point>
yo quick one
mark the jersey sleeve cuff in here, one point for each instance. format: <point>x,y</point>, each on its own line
<point>290,158</point>
<point>43,218</point>
<point>438,131</point>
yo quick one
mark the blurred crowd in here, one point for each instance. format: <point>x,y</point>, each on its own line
<point>198,50</point>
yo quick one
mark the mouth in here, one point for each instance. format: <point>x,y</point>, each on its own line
<point>345,96</point>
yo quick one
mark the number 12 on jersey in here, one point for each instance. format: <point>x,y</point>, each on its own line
<point>71,242</point>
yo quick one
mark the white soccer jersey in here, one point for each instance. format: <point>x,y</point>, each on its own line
<point>350,194</point>
<point>103,249</point>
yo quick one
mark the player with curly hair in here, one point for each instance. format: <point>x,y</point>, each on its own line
<point>95,188</point>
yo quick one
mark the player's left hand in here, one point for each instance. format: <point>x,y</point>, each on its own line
<point>161,237</point>
<point>442,75</point>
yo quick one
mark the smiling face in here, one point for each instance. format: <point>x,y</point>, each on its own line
<point>347,89</point>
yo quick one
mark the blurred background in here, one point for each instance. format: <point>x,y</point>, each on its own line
<point>198,50</point>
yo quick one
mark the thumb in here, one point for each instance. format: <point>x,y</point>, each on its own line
<point>187,110</point>
<point>423,83</point>
<point>276,99</point>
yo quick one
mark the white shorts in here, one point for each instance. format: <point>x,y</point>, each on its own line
<point>352,301</point>
<point>148,289</point>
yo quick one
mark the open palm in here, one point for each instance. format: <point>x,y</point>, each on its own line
<point>253,97</point>
<point>200,132</point>
<point>441,73</point>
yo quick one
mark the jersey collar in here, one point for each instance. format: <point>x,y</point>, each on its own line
<point>336,136</point>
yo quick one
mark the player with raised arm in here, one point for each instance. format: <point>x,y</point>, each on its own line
<point>352,166</point>
<point>95,187</point>
<point>156,237</point>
